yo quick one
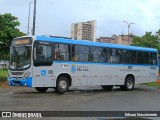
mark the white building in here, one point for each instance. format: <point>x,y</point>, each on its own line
<point>84,31</point>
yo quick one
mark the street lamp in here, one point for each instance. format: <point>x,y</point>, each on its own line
<point>129,25</point>
<point>29,18</point>
<point>34,18</point>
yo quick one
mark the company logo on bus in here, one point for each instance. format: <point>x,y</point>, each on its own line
<point>73,68</point>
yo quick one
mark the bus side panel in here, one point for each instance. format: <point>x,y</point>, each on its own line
<point>103,74</point>
<point>153,74</point>
<point>61,67</point>
<point>43,76</point>
<point>79,72</point>
<point>142,74</point>
<point>145,74</point>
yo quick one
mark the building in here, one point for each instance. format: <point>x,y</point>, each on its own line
<point>121,39</point>
<point>125,39</point>
<point>113,40</point>
<point>84,31</point>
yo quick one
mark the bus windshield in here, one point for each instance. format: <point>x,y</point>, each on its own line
<point>20,57</point>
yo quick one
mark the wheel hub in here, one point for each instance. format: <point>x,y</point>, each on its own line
<point>63,84</point>
<point>129,84</point>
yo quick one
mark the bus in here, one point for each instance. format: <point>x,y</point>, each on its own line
<point>44,62</point>
<point>159,72</point>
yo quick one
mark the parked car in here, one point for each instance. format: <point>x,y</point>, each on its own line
<point>4,64</point>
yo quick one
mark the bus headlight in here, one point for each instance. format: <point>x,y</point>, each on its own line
<point>26,75</point>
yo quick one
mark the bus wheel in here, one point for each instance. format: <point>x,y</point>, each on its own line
<point>129,84</point>
<point>41,89</point>
<point>107,87</point>
<point>62,85</point>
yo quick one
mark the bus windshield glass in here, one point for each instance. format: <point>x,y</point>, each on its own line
<point>20,57</point>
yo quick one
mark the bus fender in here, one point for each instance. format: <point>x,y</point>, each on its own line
<point>67,76</point>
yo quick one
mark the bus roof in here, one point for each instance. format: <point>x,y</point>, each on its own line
<point>90,43</point>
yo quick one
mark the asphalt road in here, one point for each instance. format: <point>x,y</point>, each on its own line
<point>143,98</point>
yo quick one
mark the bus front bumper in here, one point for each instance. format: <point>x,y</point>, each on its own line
<point>20,82</point>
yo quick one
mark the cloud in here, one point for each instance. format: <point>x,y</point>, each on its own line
<point>150,13</point>
<point>54,17</point>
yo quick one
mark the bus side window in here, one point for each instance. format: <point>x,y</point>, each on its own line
<point>61,52</point>
<point>93,59</point>
<point>75,58</point>
<point>98,54</point>
<point>80,53</point>
<point>42,55</point>
<point>153,57</point>
<point>57,56</point>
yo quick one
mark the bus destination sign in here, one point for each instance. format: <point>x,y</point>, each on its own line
<point>22,41</point>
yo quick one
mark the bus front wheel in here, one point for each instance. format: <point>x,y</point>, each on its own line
<point>41,89</point>
<point>129,84</point>
<point>62,85</point>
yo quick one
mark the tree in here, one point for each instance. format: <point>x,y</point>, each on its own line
<point>158,35</point>
<point>8,31</point>
<point>137,41</point>
<point>148,40</point>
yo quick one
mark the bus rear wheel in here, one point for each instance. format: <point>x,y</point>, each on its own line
<point>62,85</point>
<point>107,87</point>
<point>41,89</point>
<point>129,84</point>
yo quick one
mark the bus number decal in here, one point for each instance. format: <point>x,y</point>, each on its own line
<point>64,66</point>
<point>130,67</point>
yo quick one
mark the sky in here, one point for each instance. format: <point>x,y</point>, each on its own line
<point>54,17</point>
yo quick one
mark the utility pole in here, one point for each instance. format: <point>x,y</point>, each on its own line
<point>34,18</point>
<point>129,25</point>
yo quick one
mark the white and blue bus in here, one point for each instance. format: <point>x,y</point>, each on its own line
<point>47,62</point>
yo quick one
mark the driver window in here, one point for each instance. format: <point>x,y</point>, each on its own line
<point>42,55</point>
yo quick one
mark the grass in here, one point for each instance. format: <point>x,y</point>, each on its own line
<point>153,84</point>
<point>3,75</point>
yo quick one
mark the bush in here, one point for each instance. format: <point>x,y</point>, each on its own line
<point>3,75</point>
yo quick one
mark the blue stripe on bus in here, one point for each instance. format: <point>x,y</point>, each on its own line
<point>98,63</point>
<point>20,82</point>
<point>89,43</point>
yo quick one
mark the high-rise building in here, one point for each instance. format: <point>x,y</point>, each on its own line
<point>84,31</point>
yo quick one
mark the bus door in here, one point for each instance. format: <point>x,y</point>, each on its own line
<point>43,65</point>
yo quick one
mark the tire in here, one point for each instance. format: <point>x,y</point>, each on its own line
<point>41,89</point>
<point>129,84</point>
<point>107,87</point>
<point>62,85</point>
